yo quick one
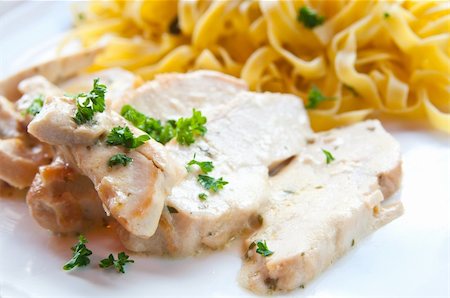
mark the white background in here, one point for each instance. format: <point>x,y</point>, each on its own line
<point>407,258</point>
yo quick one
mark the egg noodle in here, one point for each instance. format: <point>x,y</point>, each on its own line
<point>368,56</point>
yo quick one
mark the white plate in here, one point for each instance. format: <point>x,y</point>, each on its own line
<point>409,257</point>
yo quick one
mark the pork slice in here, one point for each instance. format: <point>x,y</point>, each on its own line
<point>134,194</point>
<point>250,133</point>
<point>318,211</point>
<point>62,200</point>
<point>20,160</point>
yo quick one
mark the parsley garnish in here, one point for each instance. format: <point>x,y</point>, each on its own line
<point>205,166</point>
<point>386,15</point>
<point>122,260</point>
<point>90,103</point>
<point>211,183</point>
<point>160,133</point>
<point>202,196</point>
<point>123,136</point>
<point>309,17</point>
<point>315,97</point>
<point>328,155</point>
<point>190,128</point>
<point>35,106</point>
<point>80,254</point>
<point>119,159</point>
<point>263,249</point>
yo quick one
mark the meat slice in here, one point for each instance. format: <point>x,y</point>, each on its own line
<point>318,211</point>
<point>247,134</point>
<point>134,194</point>
<point>20,161</point>
<point>63,200</point>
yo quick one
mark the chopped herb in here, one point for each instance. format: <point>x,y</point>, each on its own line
<point>174,27</point>
<point>172,209</point>
<point>80,254</point>
<point>158,132</point>
<point>190,128</point>
<point>386,15</point>
<point>328,155</point>
<point>302,286</point>
<point>309,17</point>
<point>90,103</point>
<point>119,159</point>
<point>253,244</point>
<point>122,260</point>
<point>123,136</point>
<point>202,196</point>
<point>211,183</point>
<point>315,97</point>
<point>184,129</point>
<point>35,106</point>
<point>205,166</point>
<point>353,242</point>
<point>263,249</point>
<point>81,16</point>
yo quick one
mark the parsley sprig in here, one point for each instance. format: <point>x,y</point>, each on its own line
<point>35,106</point>
<point>262,249</point>
<point>211,183</point>
<point>122,136</point>
<point>185,130</point>
<point>309,17</point>
<point>315,97</point>
<point>205,166</point>
<point>80,254</point>
<point>119,264</point>
<point>90,103</point>
<point>329,157</point>
<point>119,159</point>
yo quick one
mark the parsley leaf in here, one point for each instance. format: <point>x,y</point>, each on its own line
<point>202,196</point>
<point>123,136</point>
<point>119,159</point>
<point>35,106</point>
<point>211,183</point>
<point>328,155</point>
<point>160,133</point>
<point>386,15</point>
<point>80,254</point>
<point>205,166</point>
<point>315,97</point>
<point>90,103</point>
<point>309,17</point>
<point>263,249</point>
<point>122,260</point>
<point>189,128</point>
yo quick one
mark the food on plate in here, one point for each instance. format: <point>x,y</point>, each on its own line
<point>370,57</point>
<point>320,208</point>
<point>188,162</point>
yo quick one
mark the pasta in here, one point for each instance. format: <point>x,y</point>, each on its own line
<point>372,57</point>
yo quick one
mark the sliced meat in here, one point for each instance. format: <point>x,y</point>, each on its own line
<point>318,211</point>
<point>120,82</point>
<point>134,194</point>
<point>11,125</point>
<point>62,200</point>
<point>20,160</point>
<point>55,71</point>
<point>247,133</point>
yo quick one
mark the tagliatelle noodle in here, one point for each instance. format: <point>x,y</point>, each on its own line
<point>389,57</point>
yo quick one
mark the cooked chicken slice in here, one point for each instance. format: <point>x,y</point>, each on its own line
<point>247,133</point>
<point>20,160</point>
<point>318,211</point>
<point>11,125</point>
<point>134,194</point>
<point>62,200</point>
<point>55,71</point>
<point>120,82</point>
<point>171,96</point>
